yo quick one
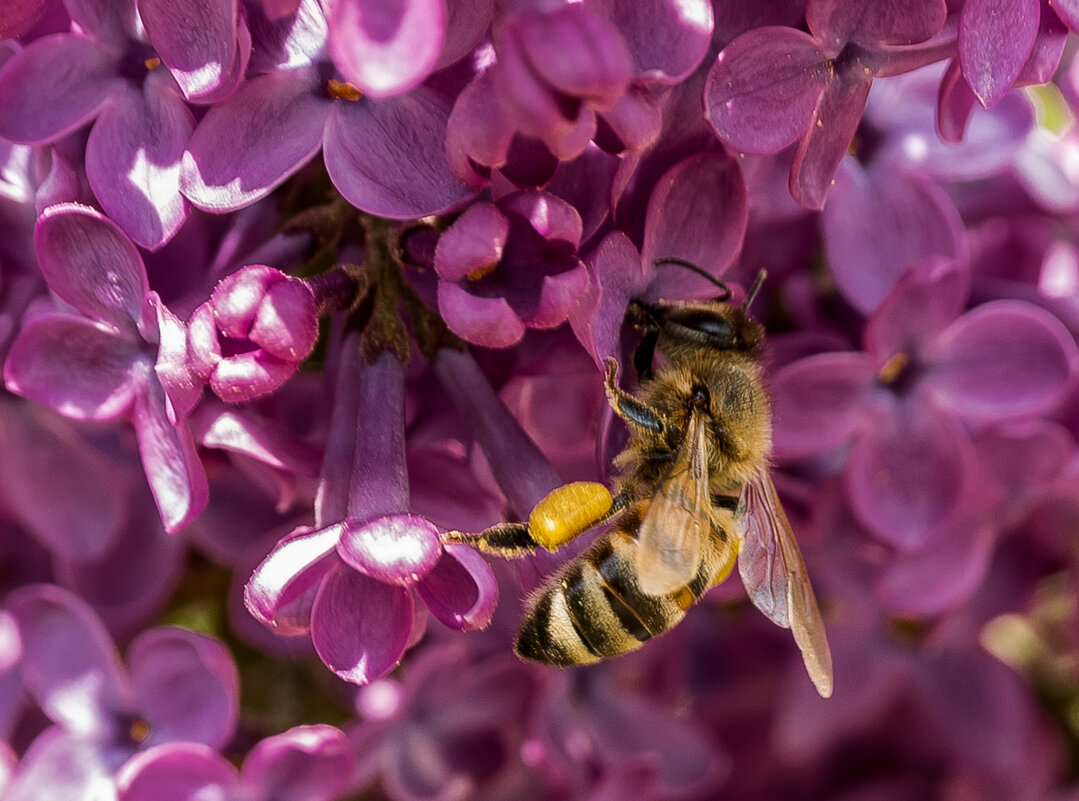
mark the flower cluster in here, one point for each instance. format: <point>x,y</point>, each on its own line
<point>291,288</point>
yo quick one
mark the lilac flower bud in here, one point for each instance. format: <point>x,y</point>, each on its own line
<point>253,333</point>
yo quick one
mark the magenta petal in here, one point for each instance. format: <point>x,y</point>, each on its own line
<point>549,215</point>
<point>81,251</point>
<point>461,591</point>
<point>186,685</point>
<point>53,87</point>
<point>305,763</point>
<point>898,22</point>
<point>819,402</point>
<point>955,104</point>
<point>1003,359</point>
<point>697,212</point>
<point>940,576</point>
<point>763,88</point>
<point>558,296</point>
<point>177,772</point>
<point>478,133</point>
<point>206,61</point>
<point>360,626</point>
<point>79,368</point>
<point>108,20</point>
<point>878,223</point>
<point>63,766</point>
<point>133,161</point>
<point>617,278</point>
<point>668,41</point>
<point>397,549</point>
<point>828,135</point>
<point>926,300</point>
<point>489,322</point>
<point>995,39</point>
<point>169,459</point>
<point>69,663</point>
<point>388,157</point>
<point>907,473</point>
<point>250,375</point>
<point>475,241</point>
<point>291,571</point>
<point>467,22</point>
<point>386,48</point>
<point>254,140</point>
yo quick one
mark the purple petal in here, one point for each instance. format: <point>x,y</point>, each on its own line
<point>172,466</point>
<point>923,303</point>
<point>955,104</point>
<point>77,513</point>
<point>489,322</point>
<point>819,402</point>
<point>995,39</point>
<point>633,124</point>
<point>172,368</point>
<point>90,263</point>
<point>828,135</point>
<point>250,375</point>
<point>1003,359</point>
<point>245,432</point>
<point>254,140</point>
<point>475,241</point>
<point>177,772</point>
<point>467,22</point>
<point>668,41</point>
<point>558,297</point>
<point>108,20</point>
<point>379,481</point>
<point>186,686</point>
<point>397,549</point>
<point>69,663</point>
<point>1048,47</point>
<point>478,133</point>
<point>617,278</point>
<point>199,44</point>
<point>73,365</point>
<point>133,161</point>
<point>549,215</point>
<point>388,157</point>
<point>54,86</point>
<point>940,576</point>
<point>305,763</point>
<point>697,212</point>
<point>879,222</point>
<point>63,766</point>
<point>293,569</point>
<point>386,49</point>
<point>461,591</point>
<point>838,22</point>
<point>763,89</point>
<point>360,626</point>
<point>1022,458</point>
<point>907,473</point>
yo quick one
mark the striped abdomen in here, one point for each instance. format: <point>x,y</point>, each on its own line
<point>594,608</point>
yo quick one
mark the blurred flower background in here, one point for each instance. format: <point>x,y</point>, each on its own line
<point>289,287</point>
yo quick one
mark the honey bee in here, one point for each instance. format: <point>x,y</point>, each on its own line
<point>693,497</point>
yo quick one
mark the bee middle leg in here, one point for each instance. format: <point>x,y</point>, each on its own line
<point>563,514</point>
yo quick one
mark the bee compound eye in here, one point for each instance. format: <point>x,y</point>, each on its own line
<point>711,326</point>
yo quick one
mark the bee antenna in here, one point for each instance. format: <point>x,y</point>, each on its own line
<point>753,290</point>
<point>726,290</point>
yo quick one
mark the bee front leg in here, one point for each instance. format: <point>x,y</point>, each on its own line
<point>563,514</point>
<point>628,407</point>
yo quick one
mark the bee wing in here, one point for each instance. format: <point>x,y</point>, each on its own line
<point>775,577</point>
<point>676,521</point>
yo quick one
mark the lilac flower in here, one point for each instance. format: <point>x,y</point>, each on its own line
<point>385,155</point>
<point>306,763</point>
<point>350,582</point>
<point>121,354</point>
<point>774,86</point>
<point>507,266</point>
<point>106,70</point>
<point>452,728</point>
<point>252,334</point>
<point>178,686</point>
<point>926,368</point>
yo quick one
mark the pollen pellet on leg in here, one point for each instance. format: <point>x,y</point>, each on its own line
<point>568,511</point>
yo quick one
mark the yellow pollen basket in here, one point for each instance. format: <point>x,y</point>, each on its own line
<point>568,511</point>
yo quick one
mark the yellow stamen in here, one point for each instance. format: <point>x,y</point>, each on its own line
<point>139,731</point>
<point>343,90</point>
<point>893,367</point>
<point>152,63</point>
<point>481,272</point>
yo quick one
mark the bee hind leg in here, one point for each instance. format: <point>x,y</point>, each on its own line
<point>563,514</point>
